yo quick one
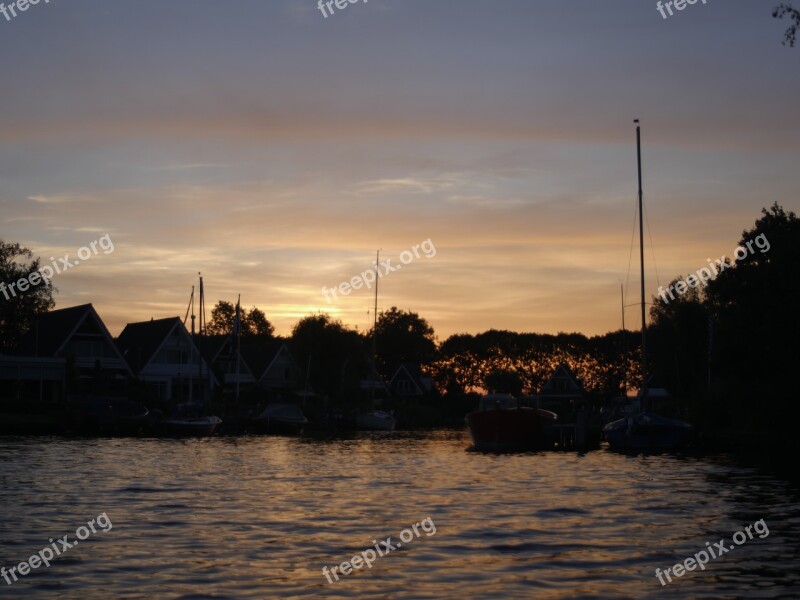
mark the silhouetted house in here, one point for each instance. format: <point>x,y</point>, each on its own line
<point>220,352</point>
<point>268,363</point>
<point>408,382</point>
<point>78,335</point>
<point>273,366</point>
<point>26,379</point>
<point>162,354</point>
<point>562,391</point>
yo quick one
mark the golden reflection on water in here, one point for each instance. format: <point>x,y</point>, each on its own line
<point>259,517</point>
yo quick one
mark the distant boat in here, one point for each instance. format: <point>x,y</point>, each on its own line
<point>186,419</point>
<point>376,420</point>
<point>282,417</point>
<point>500,423</point>
<point>645,430</point>
<point>191,426</point>
<point>110,415</point>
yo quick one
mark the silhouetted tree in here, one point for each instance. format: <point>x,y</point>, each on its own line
<point>18,309</point>
<point>755,302</point>
<point>403,336</point>
<point>503,382</point>
<point>786,10</point>
<point>253,323</point>
<point>678,340</point>
<point>338,355</point>
<point>257,325</point>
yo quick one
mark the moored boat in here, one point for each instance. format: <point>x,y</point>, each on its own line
<point>500,423</point>
<point>110,415</point>
<point>376,420</point>
<point>646,430</point>
<point>285,418</point>
<point>190,426</point>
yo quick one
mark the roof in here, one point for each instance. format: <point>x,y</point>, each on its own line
<point>140,341</point>
<point>52,330</point>
<point>413,373</point>
<point>560,372</point>
<point>259,356</point>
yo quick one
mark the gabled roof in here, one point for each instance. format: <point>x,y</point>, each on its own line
<point>259,356</point>
<point>562,372</point>
<point>216,346</point>
<point>413,373</point>
<point>139,342</point>
<point>52,330</point>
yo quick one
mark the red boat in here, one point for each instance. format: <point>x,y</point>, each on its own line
<point>500,423</point>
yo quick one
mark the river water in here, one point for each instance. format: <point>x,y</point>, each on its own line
<point>259,517</point>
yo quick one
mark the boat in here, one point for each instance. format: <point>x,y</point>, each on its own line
<point>190,426</point>
<point>187,420</point>
<point>500,423</point>
<point>376,420</point>
<point>645,430</point>
<point>282,417</point>
<point>110,415</point>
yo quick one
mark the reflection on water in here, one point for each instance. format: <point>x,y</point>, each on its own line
<point>258,517</point>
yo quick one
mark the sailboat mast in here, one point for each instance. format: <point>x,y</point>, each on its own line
<point>375,329</point>
<point>641,248</point>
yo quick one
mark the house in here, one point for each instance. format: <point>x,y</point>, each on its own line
<point>409,382</point>
<point>273,365</point>
<point>562,391</point>
<point>162,354</point>
<point>32,378</point>
<point>268,363</point>
<point>78,335</point>
<point>220,352</point>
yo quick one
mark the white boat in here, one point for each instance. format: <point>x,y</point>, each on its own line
<point>281,417</point>
<point>191,426</point>
<point>376,420</point>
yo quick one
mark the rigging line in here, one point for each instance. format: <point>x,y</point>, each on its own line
<point>652,249</point>
<point>630,256</point>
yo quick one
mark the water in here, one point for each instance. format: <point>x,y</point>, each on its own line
<point>259,517</point>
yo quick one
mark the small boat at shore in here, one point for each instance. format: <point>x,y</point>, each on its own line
<point>646,430</point>
<point>282,418</point>
<point>190,426</point>
<point>500,423</point>
<point>376,420</point>
<point>110,415</point>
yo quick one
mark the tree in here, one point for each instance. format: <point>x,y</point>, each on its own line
<point>678,339</point>
<point>257,325</point>
<point>18,309</point>
<point>222,318</point>
<point>403,336</point>
<point>503,382</point>
<point>253,323</point>
<point>786,10</point>
<point>755,301</point>
<point>338,355</point>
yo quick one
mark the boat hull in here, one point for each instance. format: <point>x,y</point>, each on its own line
<point>283,419</point>
<point>515,429</point>
<point>376,421</point>
<point>647,432</point>
<point>191,427</point>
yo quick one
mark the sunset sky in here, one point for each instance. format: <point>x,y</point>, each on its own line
<point>276,150</point>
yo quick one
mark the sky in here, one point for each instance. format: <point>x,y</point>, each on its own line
<point>275,150</point>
